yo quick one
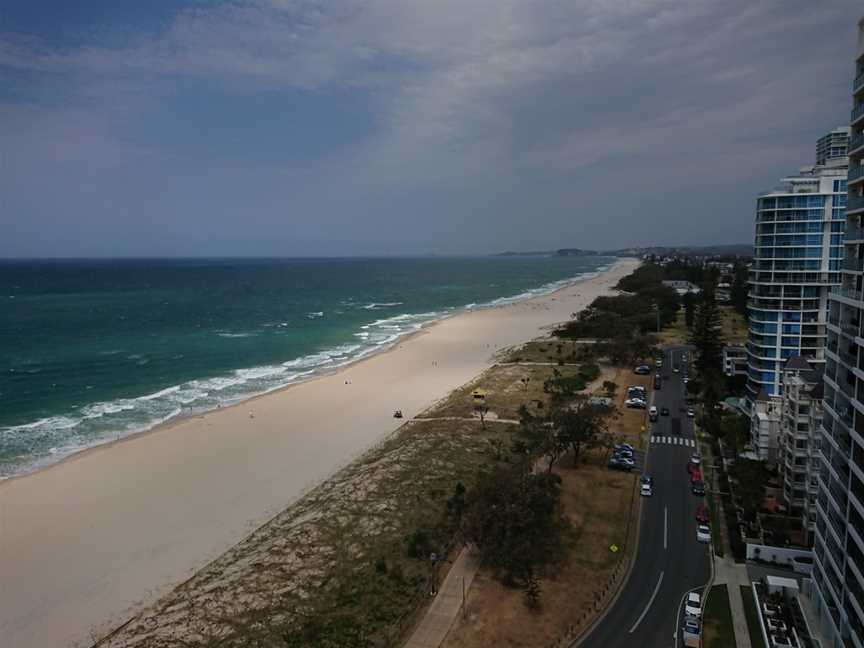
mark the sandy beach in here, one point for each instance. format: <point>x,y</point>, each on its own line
<point>87,542</point>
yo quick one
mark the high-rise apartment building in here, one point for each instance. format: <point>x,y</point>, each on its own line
<point>838,569</point>
<point>833,146</point>
<point>796,260</point>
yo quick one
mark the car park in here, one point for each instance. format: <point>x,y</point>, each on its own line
<point>703,534</point>
<point>646,490</point>
<point>653,413</point>
<point>664,411</point>
<point>693,606</point>
<point>702,515</point>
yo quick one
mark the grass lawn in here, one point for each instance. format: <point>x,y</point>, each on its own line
<point>548,350</point>
<point>675,333</point>
<point>717,631</point>
<point>734,326</point>
<point>752,617</point>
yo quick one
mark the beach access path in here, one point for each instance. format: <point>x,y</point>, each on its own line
<point>86,543</point>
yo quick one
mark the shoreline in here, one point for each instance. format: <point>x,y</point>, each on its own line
<point>47,462</point>
<point>101,533</point>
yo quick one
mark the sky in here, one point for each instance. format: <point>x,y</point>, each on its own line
<point>392,127</point>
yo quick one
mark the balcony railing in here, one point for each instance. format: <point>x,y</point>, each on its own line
<point>856,172</point>
<point>855,202</point>
<point>850,293</point>
<point>856,141</point>
<point>853,263</point>
<point>854,233</point>
<point>858,83</point>
<point>857,113</point>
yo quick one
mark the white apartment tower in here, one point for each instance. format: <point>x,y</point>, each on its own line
<point>796,260</point>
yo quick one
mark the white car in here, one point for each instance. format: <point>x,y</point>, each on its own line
<point>686,380</point>
<point>627,461</point>
<point>646,490</point>
<point>693,607</point>
<point>637,403</point>
<point>690,412</point>
<point>675,369</point>
<point>703,533</point>
<point>652,413</point>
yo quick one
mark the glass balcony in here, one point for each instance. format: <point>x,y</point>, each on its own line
<point>856,141</point>
<point>858,83</point>
<point>854,233</point>
<point>855,202</point>
<point>857,113</point>
<point>853,263</point>
<point>856,172</point>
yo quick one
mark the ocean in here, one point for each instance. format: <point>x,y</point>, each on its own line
<point>94,350</point>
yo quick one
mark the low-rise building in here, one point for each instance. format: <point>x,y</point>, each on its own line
<point>682,287</point>
<point>798,456</point>
<point>734,360</point>
<point>765,426</point>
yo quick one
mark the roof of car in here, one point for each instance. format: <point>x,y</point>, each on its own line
<point>693,596</point>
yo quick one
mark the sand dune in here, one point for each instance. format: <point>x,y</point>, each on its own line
<point>88,541</point>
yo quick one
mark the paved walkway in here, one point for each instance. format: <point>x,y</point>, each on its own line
<point>727,571</point>
<point>435,625</point>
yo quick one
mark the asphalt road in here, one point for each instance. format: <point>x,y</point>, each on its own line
<point>669,561</point>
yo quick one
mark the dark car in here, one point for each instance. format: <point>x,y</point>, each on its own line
<point>702,516</point>
<point>647,479</point>
<point>618,464</point>
<point>664,411</point>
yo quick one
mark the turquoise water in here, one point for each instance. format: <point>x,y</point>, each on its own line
<point>95,350</point>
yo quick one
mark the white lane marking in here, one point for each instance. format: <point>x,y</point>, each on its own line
<point>665,526</point>
<point>648,607</point>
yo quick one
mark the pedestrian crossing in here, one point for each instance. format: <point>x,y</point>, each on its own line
<point>673,440</point>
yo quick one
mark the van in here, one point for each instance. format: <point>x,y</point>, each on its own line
<point>652,413</point>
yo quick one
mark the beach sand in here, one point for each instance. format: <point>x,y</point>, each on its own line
<point>89,541</point>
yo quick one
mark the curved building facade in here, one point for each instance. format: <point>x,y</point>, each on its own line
<point>797,257</point>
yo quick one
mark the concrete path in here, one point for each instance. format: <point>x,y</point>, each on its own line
<point>733,575</point>
<point>435,624</point>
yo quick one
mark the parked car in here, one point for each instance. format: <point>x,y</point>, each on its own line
<point>658,381</point>
<point>627,461</point>
<point>686,380</point>
<point>703,534</point>
<point>646,490</point>
<point>697,486</point>
<point>664,411</point>
<point>658,362</point>
<point>636,403</point>
<point>702,515</point>
<point>653,413</point>
<point>695,460</point>
<point>625,445</point>
<point>647,479</point>
<point>691,626</point>
<point>642,370</point>
<point>690,412</point>
<point>617,464</point>
<point>674,369</point>
<point>693,607</point>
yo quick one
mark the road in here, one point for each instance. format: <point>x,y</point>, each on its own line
<point>669,562</point>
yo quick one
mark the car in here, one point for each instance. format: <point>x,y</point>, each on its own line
<point>647,479</point>
<point>617,464</point>
<point>652,413</point>
<point>636,403</point>
<point>691,625</point>
<point>623,455</point>
<point>658,381</point>
<point>703,534</point>
<point>686,380</point>
<point>690,412</point>
<point>626,446</point>
<point>675,370</point>
<point>642,370</point>
<point>627,461</point>
<point>646,490</point>
<point>695,459</point>
<point>702,515</point>
<point>636,389</point>
<point>693,607</point>
<point>658,362</point>
<point>664,411</point>
<point>697,487</point>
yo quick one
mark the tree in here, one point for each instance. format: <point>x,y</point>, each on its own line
<point>514,519</point>
<point>689,309</point>
<point>749,476</point>
<point>735,431</point>
<point>537,438</point>
<point>706,335</point>
<point>610,388</point>
<point>581,426</point>
<point>738,293</point>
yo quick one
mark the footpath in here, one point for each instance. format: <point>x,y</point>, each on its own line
<point>734,575</point>
<point>437,620</point>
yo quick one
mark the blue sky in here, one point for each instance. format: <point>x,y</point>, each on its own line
<point>298,127</point>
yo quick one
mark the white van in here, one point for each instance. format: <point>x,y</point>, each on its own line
<point>652,413</point>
